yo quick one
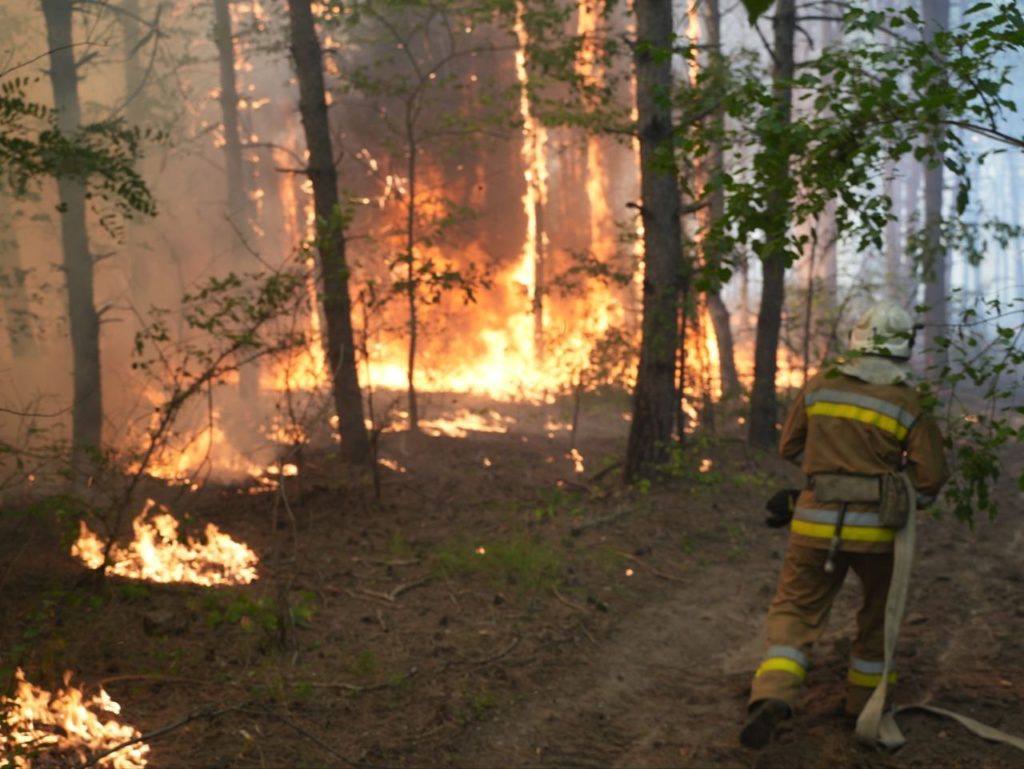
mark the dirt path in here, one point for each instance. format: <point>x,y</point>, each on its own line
<point>668,687</point>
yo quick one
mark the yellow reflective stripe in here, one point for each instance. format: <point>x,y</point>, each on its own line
<point>869,680</point>
<point>868,416</point>
<point>858,533</point>
<point>781,663</point>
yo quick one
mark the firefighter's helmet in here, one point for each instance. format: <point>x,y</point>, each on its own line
<point>885,329</point>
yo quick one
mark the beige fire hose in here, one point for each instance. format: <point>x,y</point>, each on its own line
<point>875,726</point>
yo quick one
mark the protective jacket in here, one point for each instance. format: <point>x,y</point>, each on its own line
<point>841,424</point>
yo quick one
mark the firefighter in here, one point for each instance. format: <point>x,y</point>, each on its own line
<point>852,429</point>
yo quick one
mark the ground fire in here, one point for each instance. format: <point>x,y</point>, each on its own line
<point>66,726</point>
<point>158,555</point>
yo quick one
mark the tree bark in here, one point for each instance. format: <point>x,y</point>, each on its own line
<point>339,343</point>
<point>410,289</point>
<point>716,306</point>
<point>936,14</point>
<point>13,296</point>
<point>224,38</point>
<point>654,400</point>
<point>1015,219</point>
<point>763,400</point>
<point>238,207</point>
<point>87,404</point>
<point>134,72</point>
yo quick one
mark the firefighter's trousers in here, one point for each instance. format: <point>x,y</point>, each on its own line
<point>797,617</point>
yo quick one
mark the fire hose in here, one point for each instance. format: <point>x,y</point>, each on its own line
<point>877,727</point>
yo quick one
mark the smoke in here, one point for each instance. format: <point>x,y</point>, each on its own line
<point>476,329</point>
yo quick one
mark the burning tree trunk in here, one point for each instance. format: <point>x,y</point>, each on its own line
<point>330,240</point>
<point>774,258</point>
<point>84,322</point>
<point>654,400</point>
<point>535,158</point>
<point>936,14</point>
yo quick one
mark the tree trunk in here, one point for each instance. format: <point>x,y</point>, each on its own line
<point>410,289</point>
<point>936,14</point>
<point>84,322</point>
<point>223,36</point>
<point>723,337</point>
<point>911,220</point>
<point>763,401</point>
<point>1015,219</point>
<point>654,401</point>
<point>893,244</point>
<point>716,306</point>
<point>134,72</point>
<point>15,300</point>
<point>330,240</point>
<point>238,208</point>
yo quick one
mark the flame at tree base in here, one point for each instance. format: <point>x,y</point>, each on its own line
<point>156,554</point>
<point>66,724</point>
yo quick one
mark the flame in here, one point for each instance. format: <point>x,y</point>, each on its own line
<point>391,464</point>
<point>463,422</point>
<point>66,723</point>
<point>536,175</point>
<point>577,460</point>
<point>156,554</point>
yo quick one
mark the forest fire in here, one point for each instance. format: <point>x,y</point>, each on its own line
<point>66,725</point>
<point>157,554</point>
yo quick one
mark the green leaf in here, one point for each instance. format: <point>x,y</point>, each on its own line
<point>756,8</point>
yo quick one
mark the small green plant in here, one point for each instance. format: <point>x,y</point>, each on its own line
<point>476,707</point>
<point>399,547</point>
<point>556,502</point>
<point>243,611</point>
<point>257,613</point>
<point>365,663</point>
<point>522,562</point>
<point>690,463</point>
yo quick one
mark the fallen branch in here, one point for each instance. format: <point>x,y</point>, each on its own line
<point>654,571</point>
<point>587,633</point>
<point>311,737</point>
<point>149,736</point>
<point>356,688</point>
<point>579,528</point>
<point>155,678</point>
<point>474,664</point>
<point>392,596</point>
<point>385,562</point>
<point>566,601</point>
<point>598,476</point>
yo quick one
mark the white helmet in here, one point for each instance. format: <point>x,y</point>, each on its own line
<point>885,329</point>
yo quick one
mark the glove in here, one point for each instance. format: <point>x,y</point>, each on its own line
<point>780,507</point>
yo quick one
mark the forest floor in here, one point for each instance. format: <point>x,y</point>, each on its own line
<point>496,608</point>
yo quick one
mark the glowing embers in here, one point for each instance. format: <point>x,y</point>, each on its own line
<point>66,727</point>
<point>156,554</point>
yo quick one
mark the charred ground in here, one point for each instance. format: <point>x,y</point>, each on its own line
<point>496,608</point>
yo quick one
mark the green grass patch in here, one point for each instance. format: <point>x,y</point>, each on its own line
<point>519,562</point>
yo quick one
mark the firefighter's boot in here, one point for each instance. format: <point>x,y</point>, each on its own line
<point>765,717</point>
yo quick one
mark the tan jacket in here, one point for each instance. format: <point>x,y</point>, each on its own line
<point>841,424</point>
